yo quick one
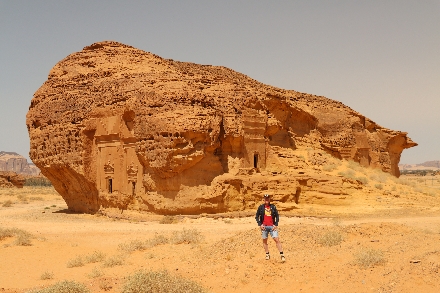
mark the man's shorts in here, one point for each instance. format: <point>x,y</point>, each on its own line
<point>269,230</point>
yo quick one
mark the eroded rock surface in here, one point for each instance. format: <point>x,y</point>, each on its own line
<point>10,179</point>
<point>115,126</point>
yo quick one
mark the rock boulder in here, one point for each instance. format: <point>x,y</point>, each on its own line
<point>115,126</point>
<point>10,179</point>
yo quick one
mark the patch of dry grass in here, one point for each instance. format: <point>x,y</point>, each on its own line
<point>330,238</point>
<point>7,204</point>
<point>159,282</point>
<point>329,167</point>
<point>94,257</point>
<point>157,240</point>
<point>116,260</point>
<point>36,198</point>
<point>63,287</point>
<point>168,220</point>
<point>379,186</point>
<point>351,174</point>
<point>133,245</point>
<point>29,191</point>
<point>139,245</point>
<point>5,233</point>
<point>78,261</point>
<point>95,273</point>
<point>188,236</point>
<point>105,285</point>
<point>23,198</point>
<point>380,176</point>
<point>46,275</point>
<point>191,236</point>
<point>366,258</point>
<point>355,166</point>
<point>22,237</point>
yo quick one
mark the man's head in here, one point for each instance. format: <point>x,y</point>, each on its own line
<point>266,199</point>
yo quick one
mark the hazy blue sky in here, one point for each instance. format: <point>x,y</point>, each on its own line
<point>381,58</point>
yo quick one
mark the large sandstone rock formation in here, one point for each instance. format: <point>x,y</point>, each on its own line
<point>10,179</point>
<point>10,161</point>
<point>114,126</point>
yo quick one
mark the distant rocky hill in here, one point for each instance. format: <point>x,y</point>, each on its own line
<point>429,165</point>
<point>10,161</point>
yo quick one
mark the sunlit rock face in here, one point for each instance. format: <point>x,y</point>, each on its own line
<point>115,126</point>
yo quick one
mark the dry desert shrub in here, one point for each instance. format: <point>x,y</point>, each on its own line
<point>96,256</point>
<point>369,257</point>
<point>76,262</point>
<point>347,174</point>
<point>23,198</point>
<point>38,181</point>
<point>63,287</point>
<point>168,220</point>
<point>116,260</point>
<point>362,179</point>
<point>355,166</point>
<point>46,275</point>
<point>378,186</point>
<point>7,204</point>
<point>95,273</point>
<point>329,167</point>
<point>138,245</point>
<point>35,198</point>
<point>23,238</point>
<point>188,236</point>
<point>380,176</point>
<point>159,282</point>
<point>105,285</point>
<point>350,174</point>
<point>134,245</point>
<point>157,240</point>
<point>404,181</point>
<point>330,238</point>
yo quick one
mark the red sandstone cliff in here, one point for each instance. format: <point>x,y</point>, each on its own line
<point>114,126</point>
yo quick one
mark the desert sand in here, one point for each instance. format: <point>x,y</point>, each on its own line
<point>379,241</point>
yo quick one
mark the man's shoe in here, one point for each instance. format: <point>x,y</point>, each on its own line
<point>283,258</point>
<point>267,256</point>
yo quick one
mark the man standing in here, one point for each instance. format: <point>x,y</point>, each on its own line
<point>267,218</point>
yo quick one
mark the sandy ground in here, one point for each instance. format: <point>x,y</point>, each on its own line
<point>404,233</point>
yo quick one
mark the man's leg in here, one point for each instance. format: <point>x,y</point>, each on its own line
<point>280,248</point>
<point>278,243</point>
<point>264,235</point>
<point>266,247</point>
